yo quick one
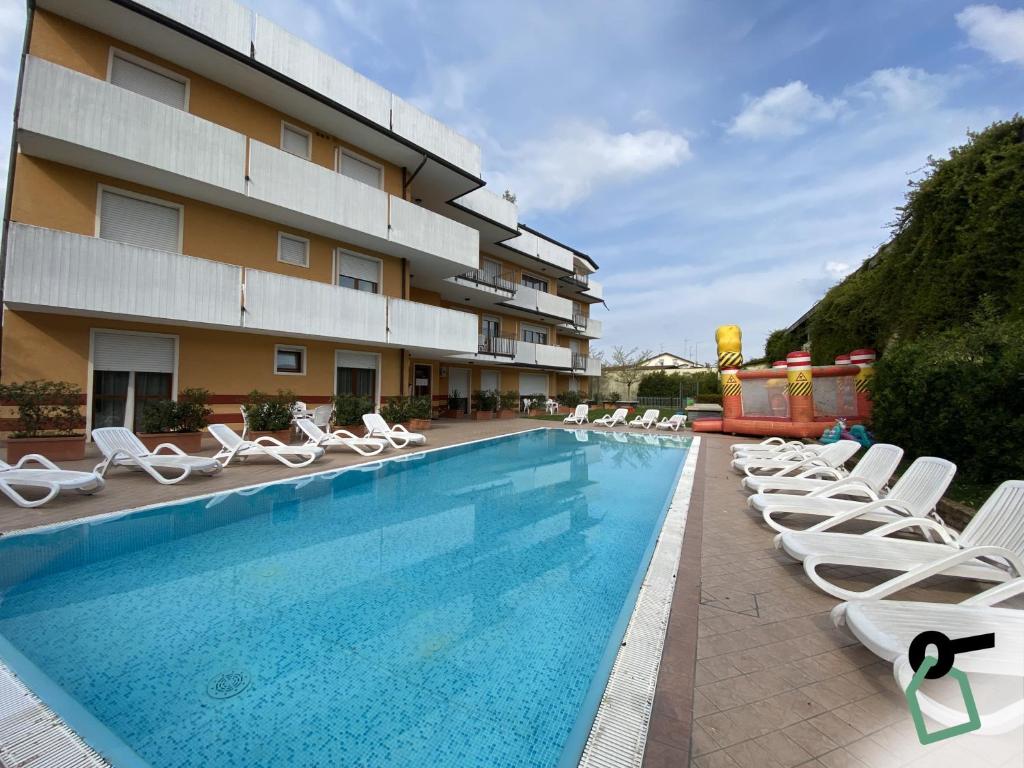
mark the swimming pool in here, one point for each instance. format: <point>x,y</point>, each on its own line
<point>458,608</point>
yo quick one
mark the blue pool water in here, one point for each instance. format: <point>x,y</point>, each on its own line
<point>458,609</point>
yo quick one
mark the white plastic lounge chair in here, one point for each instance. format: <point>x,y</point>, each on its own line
<point>873,470</point>
<point>234,447</point>
<point>580,416</point>
<point>673,422</point>
<point>322,416</point>
<point>991,548</point>
<point>915,494</point>
<point>50,478</point>
<point>317,438</point>
<point>768,444</point>
<point>398,436</point>
<point>796,461</point>
<point>121,448</point>
<point>648,420</point>
<point>887,628</point>
<point>612,419</point>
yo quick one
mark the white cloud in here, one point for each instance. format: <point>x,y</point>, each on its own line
<point>788,110</point>
<point>555,172</point>
<point>997,32</point>
<point>904,89</point>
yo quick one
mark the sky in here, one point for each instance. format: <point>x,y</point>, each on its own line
<point>723,161</point>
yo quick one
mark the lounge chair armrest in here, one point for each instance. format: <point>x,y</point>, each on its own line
<point>37,458</point>
<point>926,524</point>
<point>171,448</point>
<point>847,486</point>
<point>268,440</point>
<point>997,594</point>
<point>346,435</point>
<point>822,472</point>
<point>399,428</point>
<point>865,509</point>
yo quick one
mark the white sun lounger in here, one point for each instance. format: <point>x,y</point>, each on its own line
<point>398,436</point>
<point>580,416</point>
<point>873,470</point>
<point>317,438</point>
<point>887,628</point>
<point>793,462</point>
<point>915,494</point>
<point>234,447</point>
<point>648,420</point>
<point>673,422</point>
<point>121,448</point>
<point>612,419</point>
<point>991,548</point>
<point>50,478</point>
<point>768,444</point>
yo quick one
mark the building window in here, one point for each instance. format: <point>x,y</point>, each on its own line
<point>292,250</point>
<point>139,220</point>
<point>295,141</point>
<point>357,381</point>
<point>142,77</point>
<point>360,169</point>
<point>289,360</point>
<point>534,334</point>
<point>360,273</point>
<point>534,282</point>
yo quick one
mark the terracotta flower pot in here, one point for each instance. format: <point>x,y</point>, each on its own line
<point>506,413</point>
<point>189,442</point>
<point>483,415</point>
<point>284,435</point>
<point>564,410</point>
<point>418,425</point>
<point>54,448</point>
<point>537,412</point>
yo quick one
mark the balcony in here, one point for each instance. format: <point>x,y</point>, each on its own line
<point>575,281</point>
<point>593,294</point>
<point>123,134</point>
<point>499,346</point>
<point>54,271</point>
<point>537,248</point>
<point>582,327</point>
<point>537,302</point>
<point>504,282</point>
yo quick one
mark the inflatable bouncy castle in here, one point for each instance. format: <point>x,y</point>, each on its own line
<point>792,398</point>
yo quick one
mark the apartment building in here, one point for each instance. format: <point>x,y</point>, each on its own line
<point>199,198</point>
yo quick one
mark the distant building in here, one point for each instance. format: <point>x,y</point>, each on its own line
<point>666,361</point>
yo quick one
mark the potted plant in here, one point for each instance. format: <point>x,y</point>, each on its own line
<point>395,410</point>
<point>456,405</point>
<point>613,399</point>
<point>485,404</point>
<point>349,410</point>
<point>180,422</point>
<point>537,401</point>
<point>269,415</point>
<point>508,404</point>
<point>567,401</point>
<point>418,411</point>
<point>49,420</point>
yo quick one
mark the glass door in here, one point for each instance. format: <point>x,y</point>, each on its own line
<point>119,398</point>
<point>421,375</point>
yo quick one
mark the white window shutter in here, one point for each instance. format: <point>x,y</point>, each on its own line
<point>138,352</point>
<point>294,141</point>
<point>360,170</point>
<point>139,79</point>
<point>533,383</point>
<point>139,222</point>
<point>293,250</point>
<point>362,269</point>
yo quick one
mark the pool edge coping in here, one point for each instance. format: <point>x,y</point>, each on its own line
<point>618,735</point>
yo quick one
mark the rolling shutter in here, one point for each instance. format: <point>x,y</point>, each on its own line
<point>294,141</point>
<point>139,79</point>
<point>345,359</point>
<point>351,265</point>
<point>132,352</point>
<point>139,222</point>
<point>533,383</point>
<point>293,250</point>
<point>360,170</point>
<point>490,380</point>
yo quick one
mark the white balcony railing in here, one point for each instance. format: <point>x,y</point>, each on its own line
<point>587,327</point>
<point>536,247</point>
<point>594,290</point>
<point>121,127</point>
<point>53,270</point>
<point>532,354</point>
<point>531,300</point>
<point>491,206</point>
<point>121,133</point>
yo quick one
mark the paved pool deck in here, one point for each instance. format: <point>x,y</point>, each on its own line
<point>752,674</point>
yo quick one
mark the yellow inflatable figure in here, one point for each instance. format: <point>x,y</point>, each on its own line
<point>730,346</point>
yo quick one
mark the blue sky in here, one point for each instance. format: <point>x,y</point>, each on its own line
<point>723,161</point>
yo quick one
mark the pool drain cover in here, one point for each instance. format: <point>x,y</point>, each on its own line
<point>227,684</point>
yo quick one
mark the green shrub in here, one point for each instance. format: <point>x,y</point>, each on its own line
<point>486,399</point>
<point>419,408</point>
<point>395,410</point>
<point>45,408</point>
<point>349,409</point>
<point>779,344</point>
<point>659,384</point>
<point>269,413</point>
<point>710,398</point>
<point>957,394</point>
<point>570,398</point>
<point>614,397</point>
<point>192,413</point>
<point>509,400</point>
